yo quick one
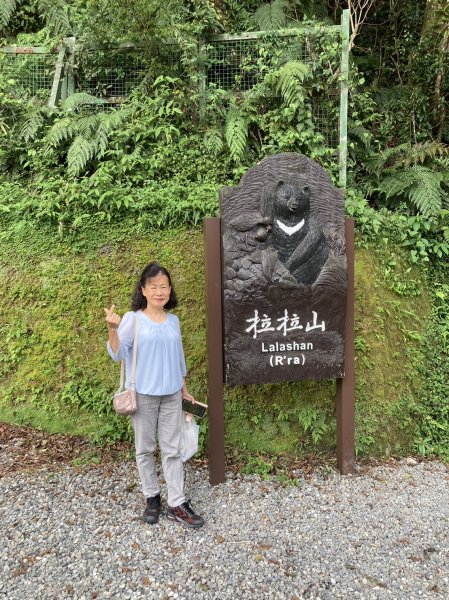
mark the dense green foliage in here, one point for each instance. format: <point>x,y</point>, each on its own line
<point>69,174</point>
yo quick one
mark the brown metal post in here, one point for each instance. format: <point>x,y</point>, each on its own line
<point>214,321</point>
<point>346,386</point>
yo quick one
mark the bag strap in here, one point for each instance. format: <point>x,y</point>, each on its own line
<point>122,365</point>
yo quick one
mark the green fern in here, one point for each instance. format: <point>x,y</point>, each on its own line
<point>61,131</point>
<point>7,8</point>
<point>4,127</point>
<point>289,79</point>
<point>421,185</point>
<point>115,118</point>
<point>420,153</point>
<point>213,141</point>
<point>427,194</point>
<point>32,125</point>
<point>405,155</point>
<point>271,16</point>
<point>76,102</point>
<point>361,134</point>
<point>316,9</point>
<point>87,125</point>
<point>56,14</point>
<point>236,132</point>
<point>108,122</point>
<point>80,153</point>
<point>102,136</point>
<point>90,135</point>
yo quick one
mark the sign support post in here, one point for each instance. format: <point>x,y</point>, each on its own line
<point>239,261</point>
<point>346,385</point>
<point>214,316</point>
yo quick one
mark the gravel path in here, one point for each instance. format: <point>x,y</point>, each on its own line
<point>382,533</point>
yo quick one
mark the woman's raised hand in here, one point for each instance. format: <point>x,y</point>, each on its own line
<point>112,319</point>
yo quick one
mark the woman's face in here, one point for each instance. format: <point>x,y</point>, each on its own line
<point>157,291</point>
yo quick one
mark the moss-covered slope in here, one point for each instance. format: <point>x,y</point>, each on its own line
<point>55,372</point>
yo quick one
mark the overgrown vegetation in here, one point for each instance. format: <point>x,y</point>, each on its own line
<point>85,191</point>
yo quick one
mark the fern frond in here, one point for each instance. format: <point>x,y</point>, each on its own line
<point>378,162</point>
<point>314,9</point>
<point>406,155</point>
<point>77,101</point>
<point>114,118</point>
<point>107,122</point>
<point>56,14</point>
<point>80,153</point>
<point>213,141</point>
<point>420,185</point>
<point>361,133</point>
<point>3,126</point>
<point>61,131</point>
<point>87,125</point>
<point>101,140</point>
<point>236,132</point>
<point>397,183</point>
<point>271,16</point>
<point>427,194</point>
<point>423,151</point>
<point>7,8</point>
<point>290,78</point>
<point>32,125</point>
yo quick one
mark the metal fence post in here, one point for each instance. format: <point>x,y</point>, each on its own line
<point>343,146</point>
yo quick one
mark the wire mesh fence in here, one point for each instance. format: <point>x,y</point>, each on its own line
<point>233,64</point>
<point>238,64</point>
<point>32,73</point>
<point>113,74</point>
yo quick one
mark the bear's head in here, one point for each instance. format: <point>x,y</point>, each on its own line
<point>291,201</point>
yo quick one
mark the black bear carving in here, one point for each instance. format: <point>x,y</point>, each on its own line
<point>296,235</point>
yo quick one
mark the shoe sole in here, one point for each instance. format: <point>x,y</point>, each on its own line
<point>189,525</point>
<point>152,520</point>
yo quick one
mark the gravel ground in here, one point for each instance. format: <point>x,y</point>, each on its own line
<point>78,533</point>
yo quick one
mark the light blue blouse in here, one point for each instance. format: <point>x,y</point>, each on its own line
<point>160,365</point>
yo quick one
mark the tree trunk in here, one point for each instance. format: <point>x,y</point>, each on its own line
<point>435,39</point>
<point>431,19</point>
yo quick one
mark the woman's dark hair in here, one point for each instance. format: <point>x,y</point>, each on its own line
<point>138,301</point>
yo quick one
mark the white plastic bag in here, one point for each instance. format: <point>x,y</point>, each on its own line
<point>189,437</point>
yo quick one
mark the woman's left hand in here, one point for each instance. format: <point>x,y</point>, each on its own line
<point>186,395</point>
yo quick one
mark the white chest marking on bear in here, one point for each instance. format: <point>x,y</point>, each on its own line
<point>290,230</point>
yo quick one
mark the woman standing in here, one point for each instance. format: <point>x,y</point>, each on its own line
<point>160,386</point>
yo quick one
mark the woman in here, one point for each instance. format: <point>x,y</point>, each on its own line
<point>160,386</point>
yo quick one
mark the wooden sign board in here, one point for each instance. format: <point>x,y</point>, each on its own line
<point>283,273</point>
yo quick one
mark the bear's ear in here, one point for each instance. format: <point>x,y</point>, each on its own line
<point>306,191</point>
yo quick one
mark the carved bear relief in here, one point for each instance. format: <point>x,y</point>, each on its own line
<point>284,243</point>
<point>296,236</point>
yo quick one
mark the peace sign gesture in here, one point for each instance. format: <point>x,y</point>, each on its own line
<point>112,319</point>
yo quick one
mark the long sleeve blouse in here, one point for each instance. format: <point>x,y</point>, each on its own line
<point>160,364</point>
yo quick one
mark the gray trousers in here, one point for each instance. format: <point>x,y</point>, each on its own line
<point>161,417</point>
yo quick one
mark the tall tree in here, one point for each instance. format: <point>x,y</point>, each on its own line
<point>435,42</point>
